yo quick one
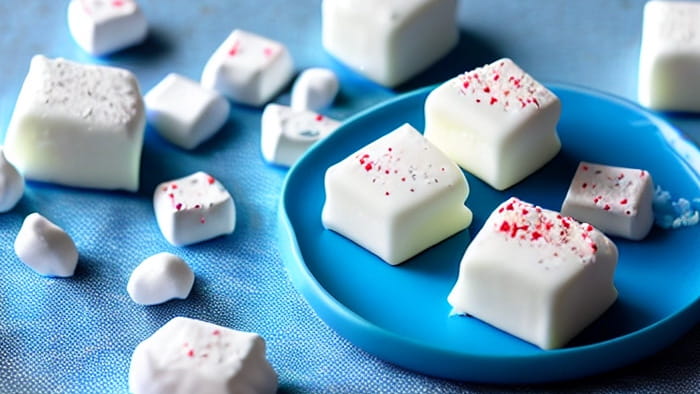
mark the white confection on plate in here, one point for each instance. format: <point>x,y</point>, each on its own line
<point>248,68</point>
<point>193,209</point>
<point>45,247</point>
<point>617,200</point>
<point>160,278</point>
<point>11,184</point>
<point>496,122</point>
<point>314,89</point>
<point>389,41</point>
<point>192,356</point>
<point>78,125</point>
<point>104,26</point>
<point>287,133</point>
<point>397,196</point>
<point>536,274</point>
<point>184,112</point>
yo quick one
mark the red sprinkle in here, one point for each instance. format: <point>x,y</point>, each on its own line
<point>487,90</point>
<point>215,332</point>
<point>493,101</point>
<point>319,117</point>
<point>190,353</point>
<point>623,201</point>
<point>211,180</point>
<point>368,166</point>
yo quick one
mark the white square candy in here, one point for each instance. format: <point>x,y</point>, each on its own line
<point>397,196</point>
<point>496,122</point>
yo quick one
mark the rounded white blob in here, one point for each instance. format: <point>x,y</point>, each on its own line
<point>11,184</point>
<point>160,278</point>
<point>45,247</point>
<point>314,89</point>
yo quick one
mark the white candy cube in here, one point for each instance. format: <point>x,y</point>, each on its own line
<point>314,89</point>
<point>184,112</point>
<point>193,209</point>
<point>45,247</point>
<point>248,68</point>
<point>536,274</point>
<point>11,184</point>
<point>192,356</point>
<point>389,41</point>
<point>496,122</point>
<point>78,125</point>
<point>287,133</point>
<point>397,196</point>
<point>160,278</point>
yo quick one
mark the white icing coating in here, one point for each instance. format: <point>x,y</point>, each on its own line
<point>45,247</point>
<point>160,278</point>
<point>314,89</point>
<point>11,184</point>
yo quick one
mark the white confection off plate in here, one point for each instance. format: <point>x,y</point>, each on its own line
<point>400,313</point>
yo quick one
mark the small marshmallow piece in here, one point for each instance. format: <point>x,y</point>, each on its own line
<point>248,68</point>
<point>193,209</point>
<point>287,133</point>
<point>11,184</point>
<point>314,89</point>
<point>45,247</point>
<point>160,278</point>
<point>104,26</point>
<point>184,112</point>
<point>192,356</point>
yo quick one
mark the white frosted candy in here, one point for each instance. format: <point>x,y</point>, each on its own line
<point>184,112</point>
<point>536,274</point>
<point>77,125</point>
<point>389,41</point>
<point>45,247</point>
<point>193,209</point>
<point>397,196</point>
<point>496,122</point>
<point>617,200</point>
<point>160,278</point>
<point>192,356</point>
<point>248,68</point>
<point>104,26</point>
<point>287,133</point>
<point>314,89</point>
<point>11,184</point>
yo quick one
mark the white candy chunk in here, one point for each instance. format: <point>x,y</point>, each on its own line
<point>160,278</point>
<point>11,184</point>
<point>104,26</point>
<point>184,112</point>
<point>496,122</point>
<point>45,247</point>
<point>389,41</point>
<point>314,89</point>
<point>192,356</point>
<point>193,209</point>
<point>397,196</point>
<point>287,133</point>
<point>78,125</point>
<point>248,68</point>
<point>536,274</point>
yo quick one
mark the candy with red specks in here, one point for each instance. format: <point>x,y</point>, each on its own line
<point>193,356</point>
<point>193,209</point>
<point>397,196</point>
<point>160,278</point>
<point>617,200</point>
<point>248,68</point>
<point>45,247</point>
<point>11,184</point>
<point>536,274</point>
<point>496,122</point>
<point>314,89</point>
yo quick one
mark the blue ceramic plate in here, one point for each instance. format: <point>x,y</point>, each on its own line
<point>400,313</point>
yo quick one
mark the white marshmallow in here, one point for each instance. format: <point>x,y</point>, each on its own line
<point>184,112</point>
<point>192,356</point>
<point>45,247</point>
<point>496,122</point>
<point>536,275</point>
<point>248,68</point>
<point>77,125</point>
<point>397,196</point>
<point>287,133</point>
<point>160,278</point>
<point>314,89</point>
<point>11,184</point>
<point>193,209</point>
<point>104,26</point>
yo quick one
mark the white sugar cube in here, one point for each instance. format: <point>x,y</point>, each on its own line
<point>160,278</point>
<point>78,125</point>
<point>496,122</point>
<point>397,196</point>
<point>45,247</point>
<point>11,184</point>
<point>536,274</point>
<point>314,89</point>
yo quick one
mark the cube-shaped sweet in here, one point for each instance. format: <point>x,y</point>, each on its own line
<point>184,112</point>
<point>397,196</point>
<point>287,133</point>
<point>617,200</point>
<point>78,125</point>
<point>193,209</point>
<point>104,26</point>
<point>248,68</point>
<point>536,274</point>
<point>496,122</point>
<point>389,41</point>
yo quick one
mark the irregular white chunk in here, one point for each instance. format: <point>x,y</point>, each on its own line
<point>314,89</point>
<point>536,274</point>
<point>397,196</point>
<point>45,247</point>
<point>160,278</point>
<point>11,184</point>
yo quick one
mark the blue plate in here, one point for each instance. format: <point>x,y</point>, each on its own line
<point>400,313</point>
